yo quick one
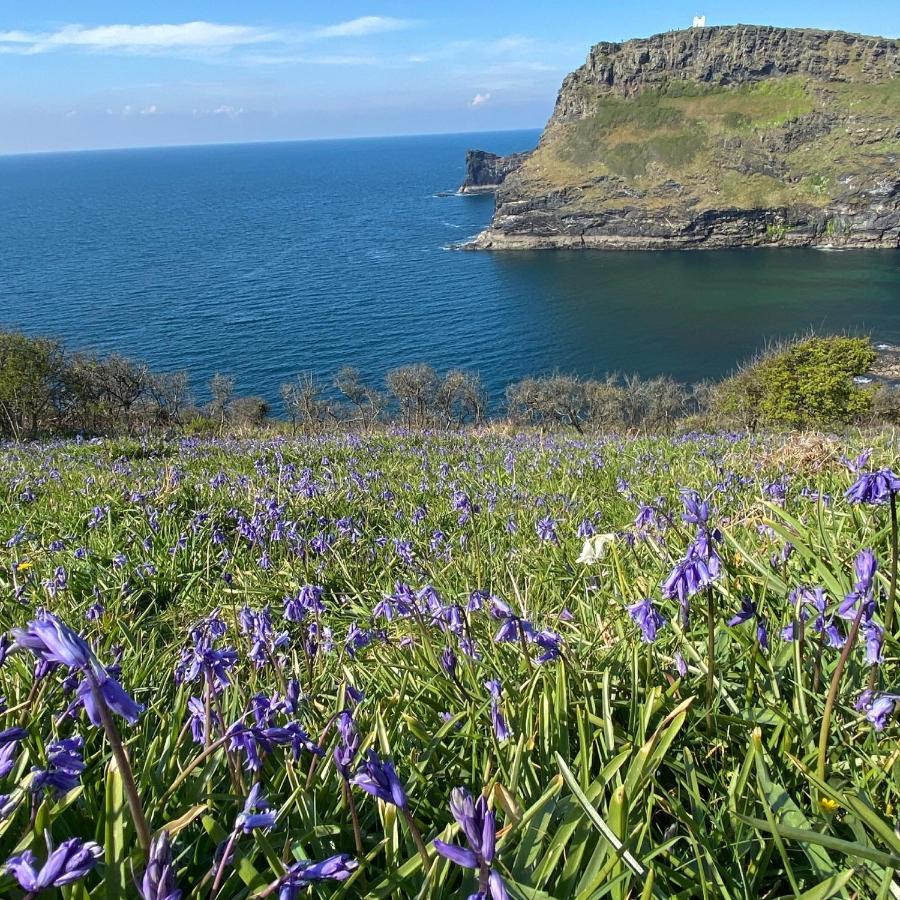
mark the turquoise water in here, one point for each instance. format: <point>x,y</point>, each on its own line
<point>267,260</point>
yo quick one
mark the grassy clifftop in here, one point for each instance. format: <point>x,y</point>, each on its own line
<point>756,145</point>
<point>801,127</point>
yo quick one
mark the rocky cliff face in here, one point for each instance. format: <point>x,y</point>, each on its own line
<point>715,137</point>
<point>485,172</point>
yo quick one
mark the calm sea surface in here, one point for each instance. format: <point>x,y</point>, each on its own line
<point>267,260</point>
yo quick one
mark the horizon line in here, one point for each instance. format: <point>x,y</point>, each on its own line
<point>306,140</point>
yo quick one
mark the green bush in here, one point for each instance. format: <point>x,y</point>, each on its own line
<point>806,384</point>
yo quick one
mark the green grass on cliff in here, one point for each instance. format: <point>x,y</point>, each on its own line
<point>721,144</point>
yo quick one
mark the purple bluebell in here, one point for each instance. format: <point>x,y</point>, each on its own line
<point>873,634</point>
<point>68,863</point>
<point>646,618</point>
<point>546,530</point>
<point>346,750</point>
<point>65,764</point>
<point>256,812</point>
<point>114,696</point>
<point>865,565</point>
<point>52,641</point>
<point>448,661</point>
<point>378,778</point>
<point>9,748</point>
<point>501,730</point>
<point>479,827</point>
<point>159,882</point>
<point>875,488</point>
<point>880,709</point>
<point>302,874</point>
<point>696,511</point>
<point>550,644</point>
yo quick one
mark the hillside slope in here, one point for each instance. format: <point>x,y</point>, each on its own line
<point>714,137</point>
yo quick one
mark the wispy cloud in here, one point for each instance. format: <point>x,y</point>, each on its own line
<point>480,99</point>
<point>364,26</point>
<point>281,59</point>
<point>186,37</point>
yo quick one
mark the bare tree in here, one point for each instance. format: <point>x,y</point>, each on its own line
<point>461,397</point>
<point>248,412</point>
<point>604,400</point>
<point>415,390</point>
<point>169,393</point>
<point>366,400</point>
<point>221,389</point>
<point>304,402</point>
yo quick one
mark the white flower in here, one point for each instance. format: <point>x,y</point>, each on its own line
<point>595,548</point>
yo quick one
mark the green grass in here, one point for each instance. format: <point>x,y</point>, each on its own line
<point>621,778</point>
<point>710,139</point>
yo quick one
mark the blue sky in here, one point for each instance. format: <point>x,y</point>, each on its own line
<point>101,74</point>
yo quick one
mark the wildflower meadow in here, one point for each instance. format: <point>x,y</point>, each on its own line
<point>404,665</point>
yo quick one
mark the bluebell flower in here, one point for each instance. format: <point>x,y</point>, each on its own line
<point>865,566</point>
<point>646,618</point>
<point>52,641</point>
<point>501,730</point>
<point>65,765</point>
<point>10,739</point>
<point>378,778</point>
<point>302,874</point>
<point>256,812</point>
<point>159,882</point>
<point>479,828</point>
<point>68,863</point>
<point>880,709</point>
<point>114,696</point>
<point>875,488</point>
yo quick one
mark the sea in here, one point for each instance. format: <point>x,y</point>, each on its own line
<point>267,260</point>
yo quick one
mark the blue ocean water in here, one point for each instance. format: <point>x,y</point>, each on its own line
<point>270,259</point>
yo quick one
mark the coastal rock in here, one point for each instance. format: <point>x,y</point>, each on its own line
<point>715,137</point>
<point>485,172</point>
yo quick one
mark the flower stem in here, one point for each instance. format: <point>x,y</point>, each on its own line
<point>220,871</point>
<point>121,756</point>
<point>892,593</point>
<point>834,689</point>
<point>417,838</point>
<point>354,815</point>
<point>710,655</point>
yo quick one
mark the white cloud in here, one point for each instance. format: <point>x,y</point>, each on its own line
<point>279,59</point>
<point>364,26</point>
<point>185,37</point>
<point>149,110</point>
<point>147,38</point>
<point>481,99</point>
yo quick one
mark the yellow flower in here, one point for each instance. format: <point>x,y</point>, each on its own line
<point>24,566</point>
<point>828,805</point>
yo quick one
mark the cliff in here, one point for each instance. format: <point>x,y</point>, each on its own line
<point>485,172</point>
<point>715,137</point>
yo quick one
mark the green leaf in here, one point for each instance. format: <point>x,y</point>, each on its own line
<point>802,835</point>
<point>114,855</point>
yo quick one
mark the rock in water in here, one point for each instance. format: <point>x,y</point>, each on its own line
<point>715,137</point>
<point>485,172</point>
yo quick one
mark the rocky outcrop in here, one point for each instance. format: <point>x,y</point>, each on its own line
<point>715,137</point>
<point>485,172</point>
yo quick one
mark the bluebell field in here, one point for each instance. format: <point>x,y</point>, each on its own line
<point>420,665</point>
